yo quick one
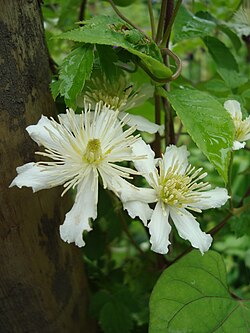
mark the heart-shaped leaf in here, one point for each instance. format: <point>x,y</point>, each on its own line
<point>192,296</point>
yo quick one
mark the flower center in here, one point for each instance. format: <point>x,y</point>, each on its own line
<point>175,189</point>
<point>93,153</point>
<point>180,189</point>
<point>242,128</point>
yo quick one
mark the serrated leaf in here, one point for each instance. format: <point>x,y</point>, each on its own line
<point>189,26</point>
<point>54,87</point>
<point>226,64</point>
<point>105,30</point>
<point>192,296</point>
<point>75,70</point>
<point>115,318</point>
<point>207,122</point>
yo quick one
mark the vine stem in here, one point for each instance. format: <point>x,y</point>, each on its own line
<point>151,16</point>
<point>170,23</point>
<point>124,18</point>
<point>229,185</point>
<point>161,22</point>
<point>157,142</point>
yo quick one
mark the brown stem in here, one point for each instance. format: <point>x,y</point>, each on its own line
<point>169,13</point>
<point>161,22</point>
<point>82,10</point>
<point>170,23</point>
<point>156,145</point>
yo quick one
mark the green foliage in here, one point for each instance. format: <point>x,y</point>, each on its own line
<point>193,296</point>
<point>106,30</point>
<point>75,70</point>
<point>226,64</point>
<point>240,223</point>
<point>190,26</point>
<point>208,123</point>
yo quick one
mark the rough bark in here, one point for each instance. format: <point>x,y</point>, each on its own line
<point>42,283</point>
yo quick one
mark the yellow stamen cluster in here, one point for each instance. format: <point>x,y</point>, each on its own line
<point>176,188</point>
<point>242,128</point>
<point>93,153</point>
<point>114,94</point>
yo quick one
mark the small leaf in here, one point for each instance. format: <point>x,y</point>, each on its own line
<point>207,122</point>
<point>226,64</point>
<point>105,30</point>
<point>192,296</point>
<point>189,26</point>
<point>75,70</point>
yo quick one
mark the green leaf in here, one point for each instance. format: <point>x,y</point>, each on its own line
<point>226,64</point>
<point>115,318</point>
<point>54,87</point>
<point>105,30</point>
<point>75,70</point>
<point>235,40</point>
<point>192,296</point>
<point>207,122</point>
<point>189,26</point>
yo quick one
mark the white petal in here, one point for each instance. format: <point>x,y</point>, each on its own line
<point>40,133</point>
<point>233,107</point>
<point>64,119</point>
<point>38,177</point>
<point>84,208</point>
<point>140,209</point>
<point>145,166</point>
<point>132,193</point>
<point>212,199</point>
<point>175,154</point>
<point>238,145</point>
<point>141,123</point>
<point>188,228</point>
<point>159,229</point>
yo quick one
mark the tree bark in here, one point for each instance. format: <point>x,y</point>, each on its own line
<point>43,286</point>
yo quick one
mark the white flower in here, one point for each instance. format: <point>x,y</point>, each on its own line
<point>242,127</point>
<point>81,148</point>
<point>176,188</point>
<point>120,95</point>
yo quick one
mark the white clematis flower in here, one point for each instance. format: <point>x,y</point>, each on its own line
<point>120,95</point>
<point>242,127</point>
<point>176,188</point>
<point>81,148</point>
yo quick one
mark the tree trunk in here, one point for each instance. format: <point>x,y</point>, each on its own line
<point>43,285</point>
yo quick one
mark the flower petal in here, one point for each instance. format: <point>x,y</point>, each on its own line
<point>84,208</point>
<point>174,155</point>
<point>238,145</point>
<point>38,177</point>
<point>212,199</point>
<point>40,133</point>
<point>132,193</point>
<point>188,228</point>
<point>146,165</point>
<point>141,123</point>
<point>159,229</point>
<point>233,107</point>
<point>140,209</point>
